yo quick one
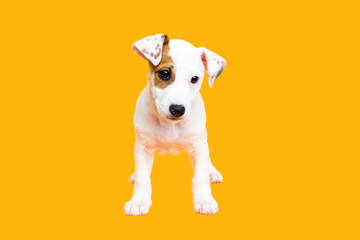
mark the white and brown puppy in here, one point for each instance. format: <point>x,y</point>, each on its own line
<point>170,117</point>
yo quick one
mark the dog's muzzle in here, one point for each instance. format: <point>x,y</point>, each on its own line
<point>177,110</point>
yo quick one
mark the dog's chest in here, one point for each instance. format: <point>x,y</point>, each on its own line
<point>170,140</point>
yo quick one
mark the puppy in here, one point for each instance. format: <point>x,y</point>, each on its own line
<point>170,117</point>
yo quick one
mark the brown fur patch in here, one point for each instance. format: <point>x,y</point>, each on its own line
<point>166,63</point>
<point>220,71</point>
<point>157,55</point>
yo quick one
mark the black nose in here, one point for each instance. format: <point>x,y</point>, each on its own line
<point>177,110</point>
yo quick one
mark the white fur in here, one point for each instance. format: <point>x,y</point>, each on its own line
<point>149,47</point>
<point>156,133</point>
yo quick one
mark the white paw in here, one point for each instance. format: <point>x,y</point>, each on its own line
<point>132,178</point>
<point>137,207</point>
<point>215,176</point>
<point>206,206</point>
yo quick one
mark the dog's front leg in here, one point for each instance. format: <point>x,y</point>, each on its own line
<point>204,203</point>
<point>140,202</point>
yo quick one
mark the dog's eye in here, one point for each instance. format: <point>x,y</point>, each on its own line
<point>194,79</point>
<point>164,75</point>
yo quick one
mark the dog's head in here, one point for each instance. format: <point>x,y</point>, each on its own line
<point>176,72</point>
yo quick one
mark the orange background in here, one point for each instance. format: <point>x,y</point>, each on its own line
<point>283,120</point>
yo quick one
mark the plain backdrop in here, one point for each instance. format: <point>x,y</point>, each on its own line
<point>283,120</point>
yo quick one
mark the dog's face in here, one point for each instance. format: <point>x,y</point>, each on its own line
<point>176,72</point>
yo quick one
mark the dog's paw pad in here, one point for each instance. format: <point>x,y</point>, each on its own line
<point>206,207</point>
<point>136,207</point>
<point>216,177</point>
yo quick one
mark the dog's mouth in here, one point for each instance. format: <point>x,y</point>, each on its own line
<point>173,119</point>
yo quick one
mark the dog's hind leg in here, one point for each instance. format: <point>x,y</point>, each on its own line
<point>132,178</point>
<point>215,175</point>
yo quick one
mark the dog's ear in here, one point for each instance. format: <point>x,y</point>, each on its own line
<point>213,63</point>
<point>150,48</point>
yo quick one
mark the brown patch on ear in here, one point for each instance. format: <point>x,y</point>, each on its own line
<point>157,55</point>
<point>166,63</point>
<point>219,72</point>
<point>144,51</point>
<point>166,39</point>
